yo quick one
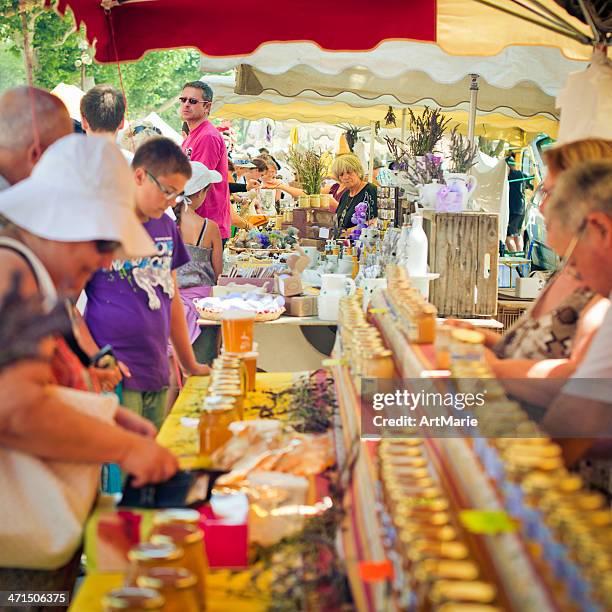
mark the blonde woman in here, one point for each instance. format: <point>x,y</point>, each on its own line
<point>356,191</point>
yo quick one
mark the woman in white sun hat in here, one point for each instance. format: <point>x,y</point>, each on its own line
<point>65,221</point>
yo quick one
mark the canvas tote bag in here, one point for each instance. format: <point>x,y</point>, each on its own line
<point>44,504</point>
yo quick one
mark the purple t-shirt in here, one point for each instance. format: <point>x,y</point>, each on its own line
<point>128,307</point>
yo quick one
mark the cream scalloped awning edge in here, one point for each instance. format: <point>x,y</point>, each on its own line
<point>492,125</point>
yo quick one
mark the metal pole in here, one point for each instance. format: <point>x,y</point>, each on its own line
<point>372,142</point>
<point>473,107</point>
<point>403,128</point>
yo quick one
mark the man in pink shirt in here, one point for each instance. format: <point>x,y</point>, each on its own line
<point>206,145</point>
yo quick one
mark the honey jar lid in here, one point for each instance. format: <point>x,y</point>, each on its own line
<point>133,597</point>
<point>152,551</point>
<point>177,515</point>
<point>160,578</point>
<point>468,336</point>
<point>178,533</point>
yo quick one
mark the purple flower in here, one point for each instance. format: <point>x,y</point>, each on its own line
<point>265,240</point>
<point>434,159</point>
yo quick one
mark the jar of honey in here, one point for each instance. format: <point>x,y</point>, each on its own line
<point>147,554</point>
<point>177,586</point>
<point>214,427</point>
<point>191,540</point>
<point>133,599</point>
<point>230,390</point>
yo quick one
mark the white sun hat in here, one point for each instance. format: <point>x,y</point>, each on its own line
<point>81,189</point>
<point>201,177</point>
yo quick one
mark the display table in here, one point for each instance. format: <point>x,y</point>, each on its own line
<point>183,441</point>
<point>509,534</point>
<point>296,344</point>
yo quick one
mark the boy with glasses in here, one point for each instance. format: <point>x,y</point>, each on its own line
<point>135,305</point>
<point>205,144</point>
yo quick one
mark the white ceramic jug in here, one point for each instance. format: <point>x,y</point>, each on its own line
<point>333,287</point>
<point>338,284</point>
<point>369,285</point>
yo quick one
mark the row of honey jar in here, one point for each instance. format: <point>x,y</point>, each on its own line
<point>438,569</point>
<point>362,344</point>
<point>232,376</point>
<point>571,524</point>
<point>168,572</point>
<point>415,315</point>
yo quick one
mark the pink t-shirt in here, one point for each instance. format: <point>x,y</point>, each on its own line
<point>206,145</point>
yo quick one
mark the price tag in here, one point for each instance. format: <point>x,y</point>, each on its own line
<point>372,571</point>
<point>324,232</point>
<point>379,310</point>
<point>487,522</point>
<point>328,363</point>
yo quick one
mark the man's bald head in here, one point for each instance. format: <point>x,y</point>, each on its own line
<point>18,152</point>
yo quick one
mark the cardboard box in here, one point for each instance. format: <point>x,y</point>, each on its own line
<point>301,306</point>
<point>267,284</point>
<point>288,286</point>
<point>319,243</point>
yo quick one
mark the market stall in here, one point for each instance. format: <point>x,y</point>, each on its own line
<point>459,507</point>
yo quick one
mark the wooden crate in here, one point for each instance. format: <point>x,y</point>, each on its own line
<point>464,250</point>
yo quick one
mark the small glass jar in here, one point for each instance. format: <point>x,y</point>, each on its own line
<point>426,324</point>
<point>177,585</point>
<point>379,365</point>
<point>133,599</point>
<point>315,201</point>
<point>230,390</point>
<point>304,201</point>
<point>467,346</point>
<point>191,540</point>
<point>146,555</point>
<point>214,428</point>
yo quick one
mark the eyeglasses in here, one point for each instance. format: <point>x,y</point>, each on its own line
<point>104,247</point>
<point>184,100</point>
<point>565,260</point>
<point>178,197</point>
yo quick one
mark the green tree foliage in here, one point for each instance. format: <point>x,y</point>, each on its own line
<point>55,47</point>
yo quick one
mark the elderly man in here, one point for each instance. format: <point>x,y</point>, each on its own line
<point>23,112</point>
<point>206,145</point>
<point>579,221</point>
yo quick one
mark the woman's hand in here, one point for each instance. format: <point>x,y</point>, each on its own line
<point>108,378</point>
<point>147,461</point>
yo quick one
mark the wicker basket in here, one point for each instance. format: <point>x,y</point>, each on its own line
<point>508,315</point>
<point>260,317</point>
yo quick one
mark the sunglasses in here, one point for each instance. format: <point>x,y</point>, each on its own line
<point>142,128</point>
<point>105,247</point>
<point>177,196</point>
<point>184,100</point>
